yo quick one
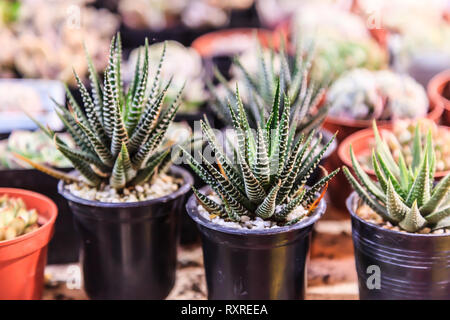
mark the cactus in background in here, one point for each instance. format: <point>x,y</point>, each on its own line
<point>292,72</point>
<point>406,196</point>
<point>383,95</point>
<point>268,175</point>
<point>15,219</point>
<point>118,133</point>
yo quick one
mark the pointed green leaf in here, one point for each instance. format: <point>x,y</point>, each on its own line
<point>413,220</point>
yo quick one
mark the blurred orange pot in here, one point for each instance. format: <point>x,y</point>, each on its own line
<point>23,259</point>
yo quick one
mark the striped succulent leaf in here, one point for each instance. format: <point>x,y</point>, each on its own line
<point>246,185</point>
<point>407,196</point>
<point>118,132</point>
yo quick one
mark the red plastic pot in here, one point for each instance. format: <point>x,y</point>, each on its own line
<point>435,90</point>
<point>23,259</point>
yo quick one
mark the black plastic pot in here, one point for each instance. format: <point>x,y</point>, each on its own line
<point>249,264</point>
<point>64,246</point>
<point>189,231</point>
<point>244,18</point>
<point>411,266</point>
<point>129,250</point>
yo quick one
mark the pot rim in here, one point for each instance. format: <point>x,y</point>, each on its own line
<point>53,209</point>
<point>366,134</point>
<point>434,113</point>
<point>349,203</point>
<point>202,43</point>
<point>175,170</point>
<point>192,210</point>
<point>435,87</point>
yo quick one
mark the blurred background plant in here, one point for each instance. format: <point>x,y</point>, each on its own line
<point>45,38</point>
<point>362,94</point>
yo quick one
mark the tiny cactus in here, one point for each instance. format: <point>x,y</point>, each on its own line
<point>15,218</point>
<point>118,134</point>
<point>268,175</point>
<point>406,196</point>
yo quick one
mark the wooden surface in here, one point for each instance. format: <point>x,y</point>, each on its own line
<point>331,268</point>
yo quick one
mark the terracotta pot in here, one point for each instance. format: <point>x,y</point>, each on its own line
<point>347,126</point>
<point>23,259</point>
<point>435,88</point>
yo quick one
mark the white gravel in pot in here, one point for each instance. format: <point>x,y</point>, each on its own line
<point>366,213</point>
<point>247,222</point>
<point>160,186</point>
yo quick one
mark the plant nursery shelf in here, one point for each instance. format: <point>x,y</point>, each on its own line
<point>331,269</point>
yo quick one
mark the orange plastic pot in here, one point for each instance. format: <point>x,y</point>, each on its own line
<point>23,259</point>
<point>435,90</point>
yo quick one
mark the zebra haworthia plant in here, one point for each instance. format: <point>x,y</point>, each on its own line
<point>118,134</point>
<point>292,72</point>
<point>406,196</point>
<point>270,168</point>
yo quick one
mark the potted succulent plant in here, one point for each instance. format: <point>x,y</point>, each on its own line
<point>37,146</point>
<point>401,226</point>
<point>439,92</point>
<point>256,216</point>
<point>260,70</point>
<point>125,196</point>
<point>359,96</point>
<point>400,137</point>
<point>26,227</point>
